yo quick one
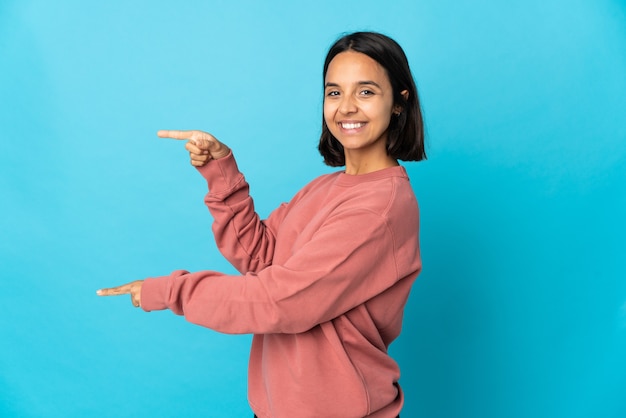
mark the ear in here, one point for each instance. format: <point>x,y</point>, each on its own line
<point>397,109</point>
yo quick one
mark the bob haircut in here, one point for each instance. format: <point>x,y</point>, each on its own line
<point>405,135</point>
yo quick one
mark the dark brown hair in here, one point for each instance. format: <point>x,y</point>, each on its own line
<point>405,135</point>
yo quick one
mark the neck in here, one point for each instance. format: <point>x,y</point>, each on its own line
<point>356,165</point>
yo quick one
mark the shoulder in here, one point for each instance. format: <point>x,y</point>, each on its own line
<point>385,192</point>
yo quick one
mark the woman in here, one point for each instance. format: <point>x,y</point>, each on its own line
<point>325,278</point>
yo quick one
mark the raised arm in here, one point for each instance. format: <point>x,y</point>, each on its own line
<point>243,238</point>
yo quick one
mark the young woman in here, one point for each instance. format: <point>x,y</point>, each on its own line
<point>325,278</point>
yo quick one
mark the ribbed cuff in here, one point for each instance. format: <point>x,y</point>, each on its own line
<point>154,293</point>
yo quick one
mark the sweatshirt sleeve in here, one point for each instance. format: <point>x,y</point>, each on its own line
<point>351,259</point>
<point>245,240</point>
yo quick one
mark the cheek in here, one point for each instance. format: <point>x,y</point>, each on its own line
<point>328,114</point>
<point>383,114</point>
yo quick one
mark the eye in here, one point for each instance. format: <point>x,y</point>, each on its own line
<point>332,93</point>
<point>367,93</point>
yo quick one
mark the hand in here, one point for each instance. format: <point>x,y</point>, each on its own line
<point>133,289</point>
<point>202,146</point>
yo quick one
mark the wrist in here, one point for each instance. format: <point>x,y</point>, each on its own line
<point>222,152</point>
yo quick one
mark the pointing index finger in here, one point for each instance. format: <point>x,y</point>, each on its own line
<point>175,134</point>
<point>114,291</point>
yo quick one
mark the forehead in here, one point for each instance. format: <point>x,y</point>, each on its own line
<point>353,67</point>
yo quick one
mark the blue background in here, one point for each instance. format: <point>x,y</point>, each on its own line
<point>521,308</point>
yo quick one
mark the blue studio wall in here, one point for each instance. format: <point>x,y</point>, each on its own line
<point>521,308</point>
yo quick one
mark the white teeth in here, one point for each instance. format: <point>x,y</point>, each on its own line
<point>351,125</point>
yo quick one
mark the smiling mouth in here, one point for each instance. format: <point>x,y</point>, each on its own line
<point>351,125</point>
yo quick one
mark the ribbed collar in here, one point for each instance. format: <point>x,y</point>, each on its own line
<point>348,180</point>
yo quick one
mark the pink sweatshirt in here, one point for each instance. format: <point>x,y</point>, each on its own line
<point>323,287</point>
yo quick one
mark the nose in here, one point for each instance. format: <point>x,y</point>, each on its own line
<point>347,105</point>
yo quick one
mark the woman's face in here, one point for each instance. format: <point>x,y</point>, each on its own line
<point>358,102</point>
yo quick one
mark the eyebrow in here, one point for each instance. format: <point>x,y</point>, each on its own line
<point>360,83</point>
